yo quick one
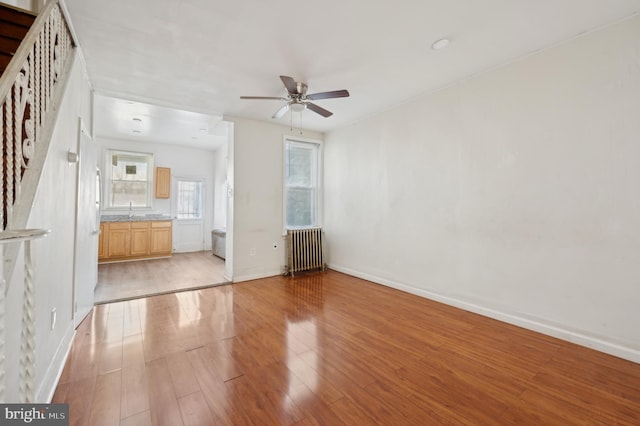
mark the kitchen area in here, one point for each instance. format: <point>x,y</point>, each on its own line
<point>162,201</point>
<point>138,236</point>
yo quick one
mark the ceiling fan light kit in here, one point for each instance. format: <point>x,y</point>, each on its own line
<point>297,106</point>
<point>297,99</point>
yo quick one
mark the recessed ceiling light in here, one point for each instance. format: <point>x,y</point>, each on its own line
<point>440,44</point>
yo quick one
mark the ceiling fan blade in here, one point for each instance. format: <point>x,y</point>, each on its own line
<point>329,95</point>
<point>281,111</point>
<point>290,84</point>
<point>264,97</point>
<point>318,109</point>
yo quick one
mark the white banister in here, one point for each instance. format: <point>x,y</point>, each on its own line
<point>28,343</point>
<point>31,89</point>
<point>27,89</point>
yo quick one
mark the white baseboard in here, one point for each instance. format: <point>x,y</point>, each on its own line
<point>534,324</point>
<point>249,277</point>
<point>54,370</point>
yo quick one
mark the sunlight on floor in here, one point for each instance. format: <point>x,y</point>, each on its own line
<point>182,271</point>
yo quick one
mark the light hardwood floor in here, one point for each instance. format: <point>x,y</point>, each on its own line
<point>126,280</point>
<point>329,349</point>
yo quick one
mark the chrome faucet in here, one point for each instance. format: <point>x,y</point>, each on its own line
<point>130,210</point>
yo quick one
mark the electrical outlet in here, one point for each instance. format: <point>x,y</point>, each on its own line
<point>252,251</point>
<point>54,315</point>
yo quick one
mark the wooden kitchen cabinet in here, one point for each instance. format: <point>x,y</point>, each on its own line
<point>118,240</point>
<point>139,238</point>
<point>102,239</point>
<point>161,237</point>
<point>134,240</point>
<point>163,182</point>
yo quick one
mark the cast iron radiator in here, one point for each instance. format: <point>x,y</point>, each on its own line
<point>305,250</point>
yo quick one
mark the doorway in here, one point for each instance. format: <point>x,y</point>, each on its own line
<point>87,226</point>
<point>197,204</point>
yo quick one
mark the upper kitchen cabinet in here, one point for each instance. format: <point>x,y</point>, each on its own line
<point>163,182</point>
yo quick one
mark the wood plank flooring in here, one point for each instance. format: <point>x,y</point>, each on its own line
<point>127,280</point>
<point>330,349</point>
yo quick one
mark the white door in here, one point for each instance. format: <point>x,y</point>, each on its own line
<point>188,207</point>
<point>87,228</point>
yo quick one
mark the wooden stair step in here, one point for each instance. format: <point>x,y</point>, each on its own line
<point>8,45</point>
<point>11,30</point>
<point>14,25</point>
<point>5,58</point>
<point>20,17</point>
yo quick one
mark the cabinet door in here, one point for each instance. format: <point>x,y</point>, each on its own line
<point>103,238</point>
<point>161,242</point>
<point>163,182</point>
<point>139,238</point>
<point>118,241</point>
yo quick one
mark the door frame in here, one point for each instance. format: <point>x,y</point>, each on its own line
<point>79,316</point>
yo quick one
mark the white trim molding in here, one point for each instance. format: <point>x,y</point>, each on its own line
<point>534,324</point>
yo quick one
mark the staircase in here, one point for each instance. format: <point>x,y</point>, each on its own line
<point>14,25</point>
<point>36,55</point>
<point>30,90</point>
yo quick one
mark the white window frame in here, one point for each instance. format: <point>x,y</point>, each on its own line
<point>108,179</point>
<point>202,198</point>
<point>319,180</point>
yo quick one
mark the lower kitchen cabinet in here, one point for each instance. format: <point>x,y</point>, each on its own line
<point>161,237</point>
<point>134,240</point>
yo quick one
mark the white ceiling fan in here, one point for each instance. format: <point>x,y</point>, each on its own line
<point>298,100</point>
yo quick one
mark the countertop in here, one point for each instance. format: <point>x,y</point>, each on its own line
<point>134,218</point>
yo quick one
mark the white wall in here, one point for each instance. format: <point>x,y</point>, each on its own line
<point>184,162</point>
<point>257,198</point>
<point>228,264</point>
<point>220,188</point>
<point>515,194</point>
<point>54,209</point>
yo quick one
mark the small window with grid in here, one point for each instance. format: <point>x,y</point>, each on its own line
<point>189,194</point>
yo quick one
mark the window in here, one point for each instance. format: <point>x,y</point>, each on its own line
<point>301,184</point>
<point>189,199</point>
<point>129,179</point>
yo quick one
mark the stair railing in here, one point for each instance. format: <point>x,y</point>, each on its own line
<point>31,90</point>
<point>27,90</point>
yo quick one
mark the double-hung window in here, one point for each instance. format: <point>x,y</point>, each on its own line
<point>129,177</point>
<point>301,184</point>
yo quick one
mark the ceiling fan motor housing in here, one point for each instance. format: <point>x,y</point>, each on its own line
<point>302,89</point>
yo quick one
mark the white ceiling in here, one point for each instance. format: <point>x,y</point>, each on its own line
<point>124,119</point>
<point>202,55</point>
